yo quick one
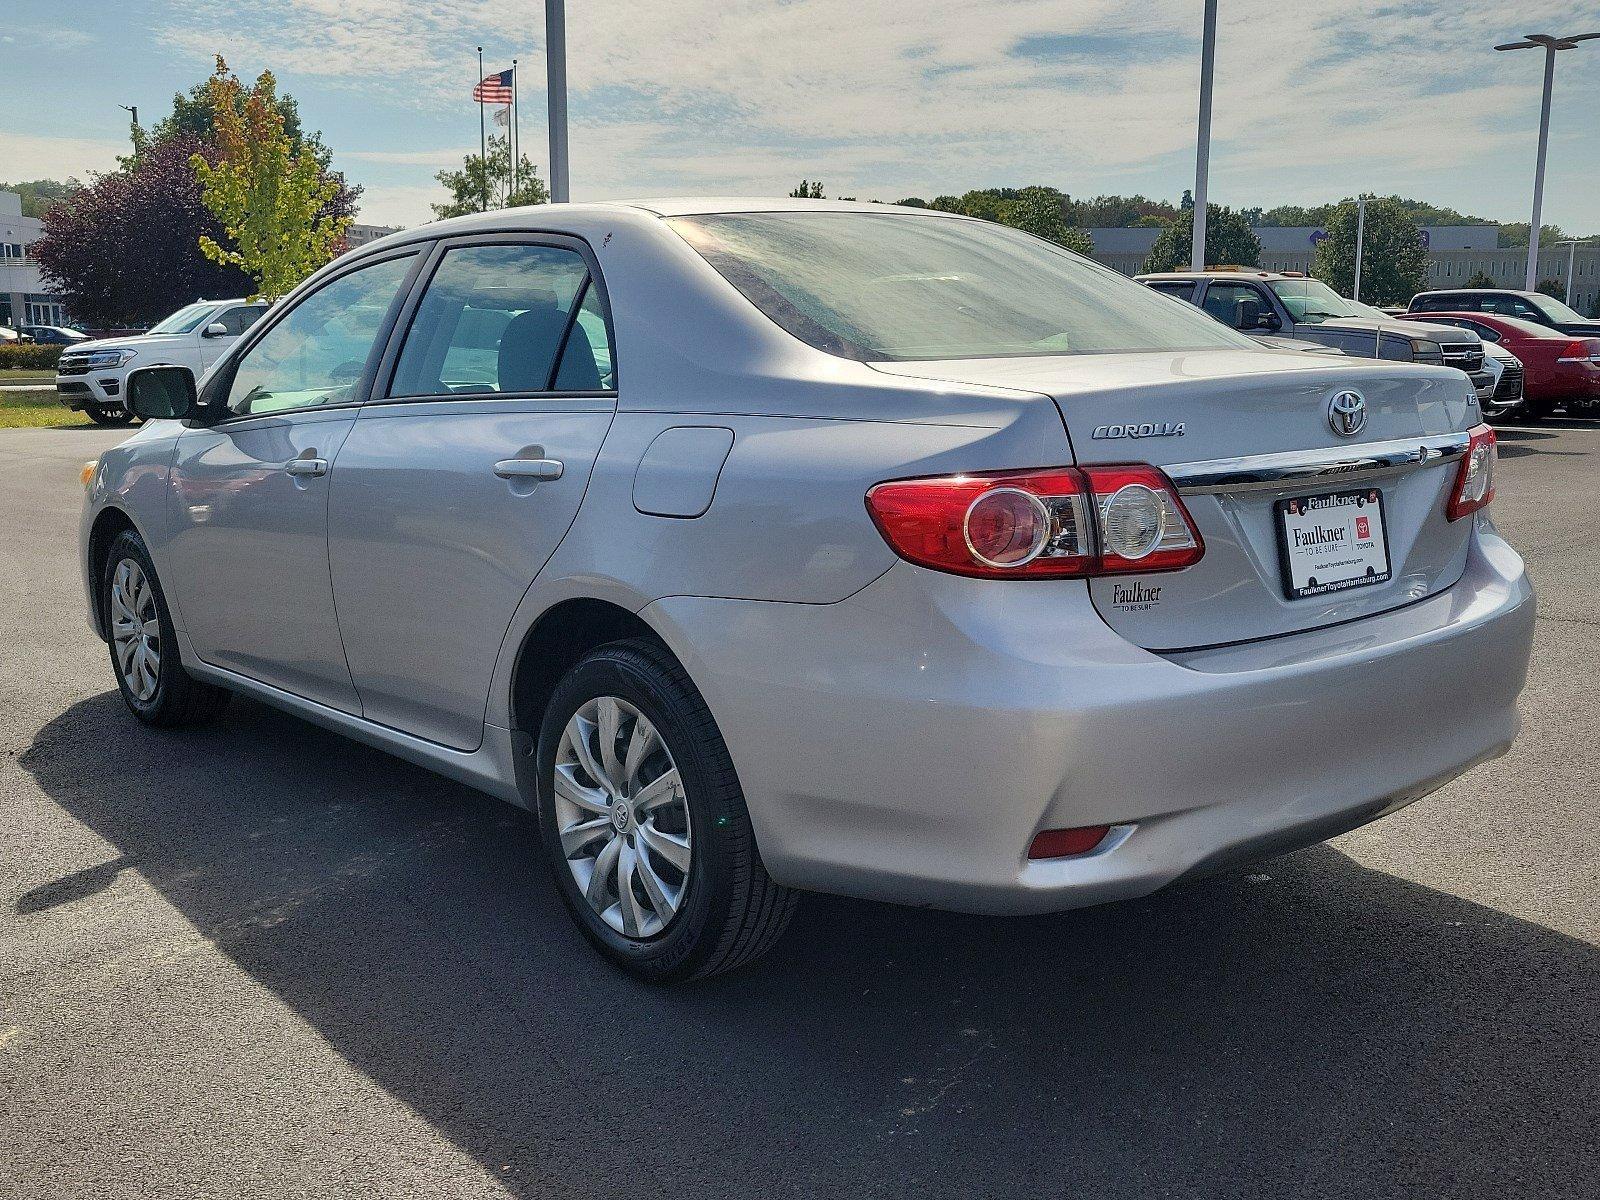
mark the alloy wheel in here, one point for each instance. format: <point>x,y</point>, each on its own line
<point>623,817</point>
<point>136,630</point>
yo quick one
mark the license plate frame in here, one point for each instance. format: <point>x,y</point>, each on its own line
<point>1356,562</point>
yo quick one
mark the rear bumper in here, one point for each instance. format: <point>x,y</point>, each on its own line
<point>907,743</point>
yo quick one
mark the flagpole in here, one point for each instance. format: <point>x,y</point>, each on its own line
<point>514,135</point>
<point>483,136</point>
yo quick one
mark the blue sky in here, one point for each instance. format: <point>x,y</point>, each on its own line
<point>878,98</point>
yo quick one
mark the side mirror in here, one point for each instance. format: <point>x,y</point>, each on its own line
<point>161,393</point>
<point>215,329</point>
<point>1247,314</point>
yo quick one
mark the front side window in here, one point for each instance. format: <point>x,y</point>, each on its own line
<point>237,320</point>
<point>506,319</point>
<point>1223,299</point>
<point>318,352</point>
<point>899,287</point>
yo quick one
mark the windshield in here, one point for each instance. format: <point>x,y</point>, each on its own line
<point>1311,301</point>
<point>184,320</point>
<point>899,287</point>
<point>1556,310</point>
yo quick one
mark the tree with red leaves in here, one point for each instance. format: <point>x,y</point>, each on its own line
<point>126,249</point>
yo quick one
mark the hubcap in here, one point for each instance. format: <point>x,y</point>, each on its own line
<point>135,629</point>
<point>622,816</point>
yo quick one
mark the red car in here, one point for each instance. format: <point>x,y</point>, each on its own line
<point>1559,368</point>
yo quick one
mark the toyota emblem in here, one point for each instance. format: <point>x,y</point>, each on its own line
<point>1347,413</point>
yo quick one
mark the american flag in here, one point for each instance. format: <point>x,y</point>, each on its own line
<point>495,89</point>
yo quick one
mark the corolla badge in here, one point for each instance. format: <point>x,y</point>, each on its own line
<point>1347,413</point>
<point>1141,429</point>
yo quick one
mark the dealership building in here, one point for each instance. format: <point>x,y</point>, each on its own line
<point>1455,254</point>
<point>23,299</point>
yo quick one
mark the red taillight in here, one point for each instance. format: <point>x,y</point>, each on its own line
<point>1475,476</point>
<point>1045,524</point>
<point>1582,350</point>
<point>1064,843</point>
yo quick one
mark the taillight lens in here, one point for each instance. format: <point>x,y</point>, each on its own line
<point>1582,350</point>
<point>1047,524</point>
<point>1475,476</point>
<point>1143,525</point>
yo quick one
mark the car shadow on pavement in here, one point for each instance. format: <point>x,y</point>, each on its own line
<point>1308,1027</point>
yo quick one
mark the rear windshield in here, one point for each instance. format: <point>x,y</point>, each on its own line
<point>894,287</point>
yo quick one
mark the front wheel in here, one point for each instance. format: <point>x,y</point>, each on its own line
<point>144,647</point>
<point>106,414</point>
<point>644,824</point>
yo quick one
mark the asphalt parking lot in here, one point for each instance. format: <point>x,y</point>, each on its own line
<point>259,960</point>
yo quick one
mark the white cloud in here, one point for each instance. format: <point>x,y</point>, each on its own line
<point>28,156</point>
<point>878,95</point>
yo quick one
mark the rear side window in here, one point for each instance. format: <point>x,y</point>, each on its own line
<point>237,320</point>
<point>1179,289</point>
<point>506,319</point>
<point>903,287</point>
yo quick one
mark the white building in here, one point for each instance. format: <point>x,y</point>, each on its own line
<point>360,235</point>
<point>23,300</point>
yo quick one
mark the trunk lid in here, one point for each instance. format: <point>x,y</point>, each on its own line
<point>1239,431</point>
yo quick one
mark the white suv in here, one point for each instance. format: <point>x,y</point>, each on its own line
<point>89,375</point>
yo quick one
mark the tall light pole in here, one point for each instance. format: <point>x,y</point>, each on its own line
<point>1551,44</point>
<point>1361,238</point>
<point>133,110</point>
<point>1202,154</point>
<point>1572,256</point>
<point>555,54</point>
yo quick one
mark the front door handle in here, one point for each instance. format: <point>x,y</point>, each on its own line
<point>529,468</point>
<point>307,466</point>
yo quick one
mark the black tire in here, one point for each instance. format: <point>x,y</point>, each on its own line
<point>1536,410</point>
<point>178,698</point>
<point>105,414</point>
<point>731,911</point>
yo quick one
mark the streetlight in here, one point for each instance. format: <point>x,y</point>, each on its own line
<point>1361,238</point>
<point>555,56</point>
<point>133,109</point>
<point>1202,155</point>
<point>1551,44</point>
<point>1572,255</point>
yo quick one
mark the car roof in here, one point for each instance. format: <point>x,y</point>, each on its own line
<point>585,218</point>
<point>1219,273</point>
<point>1476,292</point>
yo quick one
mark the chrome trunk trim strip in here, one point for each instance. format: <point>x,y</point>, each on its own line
<point>1297,468</point>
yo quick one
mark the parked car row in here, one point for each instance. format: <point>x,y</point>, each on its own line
<point>1526,353</point>
<point>43,335</point>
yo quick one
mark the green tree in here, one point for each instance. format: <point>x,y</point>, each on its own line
<point>808,190</point>
<point>1229,239</point>
<point>1043,213</point>
<point>40,195</point>
<point>272,202</point>
<point>1394,264</point>
<point>1552,287</point>
<point>912,202</point>
<point>490,175</point>
<point>1480,280</point>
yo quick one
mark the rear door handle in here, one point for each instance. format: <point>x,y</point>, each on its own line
<point>529,468</point>
<point>307,466</point>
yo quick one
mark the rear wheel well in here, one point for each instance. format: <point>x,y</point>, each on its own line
<point>107,526</point>
<point>561,637</point>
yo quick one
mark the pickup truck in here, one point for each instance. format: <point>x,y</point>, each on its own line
<point>89,375</point>
<point>1292,305</point>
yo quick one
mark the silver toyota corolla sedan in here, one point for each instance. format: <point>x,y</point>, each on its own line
<point>770,546</point>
